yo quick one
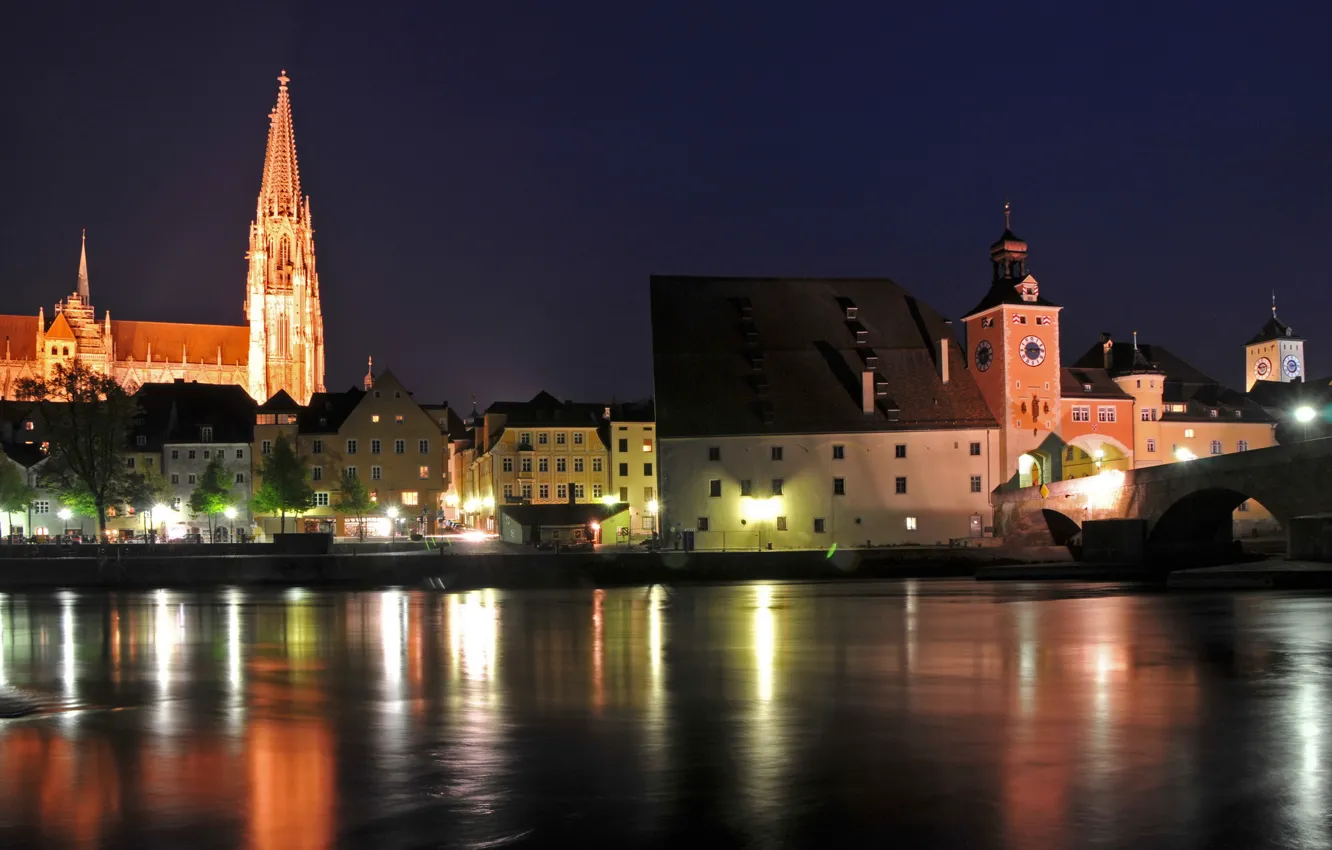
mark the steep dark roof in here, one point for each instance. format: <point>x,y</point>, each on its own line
<point>634,411</point>
<point>327,411</point>
<point>1074,381</point>
<point>707,331</point>
<point>281,402</point>
<point>26,455</point>
<point>546,409</point>
<point>174,413</point>
<point>1005,291</point>
<point>1273,329</point>
<point>1281,399</point>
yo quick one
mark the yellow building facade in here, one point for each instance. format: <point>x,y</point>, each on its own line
<point>633,467</point>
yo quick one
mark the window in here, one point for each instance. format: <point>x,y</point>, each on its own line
<point>526,464</point>
<point>578,491</point>
<point>175,453</point>
<point>527,490</point>
<point>423,446</point>
<point>975,449</point>
<point>1242,446</point>
<point>542,438</point>
<point>397,420</point>
<point>1081,413</point>
<point>649,522</point>
<point>399,447</point>
<point>411,497</point>
<point>265,419</point>
<point>507,464</point>
<point>776,487</point>
<point>561,491</point>
<point>1105,413</point>
<point>543,491</point>
<point>208,453</point>
<point>596,491</point>
<point>1212,412</point>
<point>839,486</point>
<point>507,491</point>
<point>316,473</point>
<point>1188,433</point>
<point>1216,447</point>
<point>714,453</point>
<point>374,447</point>
<point>624,494</point>
<point>191,479</point>
<point>910,523</point>
<point>1149,414</point>
<point>1244,506</point>
<point>41,506</point>
<point>374,417</point>
<point>140,440</point>
<point>624,470</point>
<point>899,450</point>
<point>560,437</point>
<point>176,503</point>
<point>702,523</point>
<point>321,499</point>
<point>781,523</point>
<point>561,464</point>
<point>191,454</point>
<point>839,452</point>
<point>648,494</point>
<point>899,486</point>
<point>423,472</point>
<point>1151,444</point>
<point>647,444</point>
<point>349,472</point>
<point>175,478</point>
<point>596,464</point>
<point>240,454</point>
<point>240,477</point>
<point>206,434</point>
<point>776,452</point>
<point>129,463</point>
<point>624,444</point>
<point>351,447</point>
<point>578,438</point>
<point>818,525</point>
<point>286,419</point>
<point>578,464</point>
<point>525,438</point>
<point>376,473</point>
<point>1071,453</point>
<point>975,483</point>
<point>543,464</point>
<point>647,469</point>
<point>317,446</point>
<point>746,487</point>
<point>714,488</point>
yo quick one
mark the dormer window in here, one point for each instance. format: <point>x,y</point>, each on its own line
<point>871,361</point>
<point>851,312</point>
<point>746,308</point>
<point>756,363</point>
<point>1086,388</point>
<point>1028,292</point>
<point>862,336</point>
<point>1212,412</point>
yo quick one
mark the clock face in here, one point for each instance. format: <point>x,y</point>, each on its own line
<point>1032,350</point>
<point>1292,366</point>
<point>1263,367</point>
<point>984,355</point>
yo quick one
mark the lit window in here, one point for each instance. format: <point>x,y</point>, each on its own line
<point>910,523</point>
<point>647,444</point>
<point>374,417</point>
<point>398,420</point>
<point>423,472</point>
<point>321,499</point>
<point>410,497</point>
<point>1188,433</point>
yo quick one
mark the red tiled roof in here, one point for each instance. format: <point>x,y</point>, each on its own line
<point>171,341</point>
<point>21,331</point>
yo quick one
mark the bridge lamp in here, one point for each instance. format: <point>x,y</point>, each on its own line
<point>1305,414</point>
<point>1184,454</point>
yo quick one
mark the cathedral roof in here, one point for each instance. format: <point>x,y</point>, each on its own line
<point>20,333</point>
<point>171,341</point>
<point>60,328</point>
<point>1273,329</point>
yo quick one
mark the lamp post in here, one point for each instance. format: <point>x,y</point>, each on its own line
<point>1304,414</point>
<point>393,523</point>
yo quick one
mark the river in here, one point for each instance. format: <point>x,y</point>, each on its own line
<point>903,714</point>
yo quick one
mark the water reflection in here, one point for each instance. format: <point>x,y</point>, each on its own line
<point>916,713</point>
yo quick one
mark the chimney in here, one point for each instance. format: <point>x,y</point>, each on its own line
<point>867,392</point>
<point>1107,349</point>
<point>943,351</point>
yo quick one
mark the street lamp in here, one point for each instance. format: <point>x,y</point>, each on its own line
<point>229,512</point>
<point>393,522</point>
<point>1305,414</point>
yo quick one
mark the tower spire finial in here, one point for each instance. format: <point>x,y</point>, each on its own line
<point>1274,303</point>
<point>1008,215</point>
<point>1135,340</point>
<point>83,268</point>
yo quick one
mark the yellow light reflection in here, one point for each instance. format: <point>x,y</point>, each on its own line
<point>390,627</point>
<point>655,600</point>
<point>765,638</point>
<point>233,641</point>
<point>474,627</point>
<point>67,643</point>
<point>598,649</point>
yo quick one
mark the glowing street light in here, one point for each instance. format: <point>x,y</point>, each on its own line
<point>1305,414</point>
<point>653,507</point>
<point>488,502</point>
<point>392,512</point>
<point>609,501</point>
<point>65,514</point>
<point>1182,453</point>
<point>229,512</point>
<point>393,522</point>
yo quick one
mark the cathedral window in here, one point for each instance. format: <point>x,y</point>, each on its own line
<point>65,351</point>
<point>54,350</point>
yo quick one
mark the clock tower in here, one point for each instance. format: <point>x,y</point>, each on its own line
<point>1274,353</point>
<point>1013,345</point>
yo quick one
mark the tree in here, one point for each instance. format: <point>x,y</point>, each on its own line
<point>89,417</point>
<point>354,500</point>
<point>284,489</point>
<point>213,493</point>
<point>15,494</point>
<point>145,490</point>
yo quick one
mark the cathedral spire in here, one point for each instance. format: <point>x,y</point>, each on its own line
<point>280,192</point>
<point>83,268</point>
<point>369,373</point>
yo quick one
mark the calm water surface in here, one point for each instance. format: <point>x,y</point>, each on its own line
<point>913,714</point>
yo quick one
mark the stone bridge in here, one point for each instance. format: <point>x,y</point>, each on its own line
<point>1184,503</point>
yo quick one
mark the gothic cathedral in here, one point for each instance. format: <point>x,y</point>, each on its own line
<point>282,347</point>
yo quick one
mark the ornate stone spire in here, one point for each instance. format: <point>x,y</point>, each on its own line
<point>83,269</point>
<point>280,193</point>
<point>369,373</point>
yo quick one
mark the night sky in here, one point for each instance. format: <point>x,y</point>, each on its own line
<point>493,183</point>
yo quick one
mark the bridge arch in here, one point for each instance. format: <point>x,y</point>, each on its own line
<point>1202,517</point>
<point>1064,529</point>
<point>1090,454</point>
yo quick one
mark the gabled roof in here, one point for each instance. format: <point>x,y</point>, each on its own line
<point>327,411</point>
<point>172,341</point>
<point>280,402</point>
<point>20,333</point>
<point>1273,329</point>
<point>546,409</point>
<point>644,410</point>
<point>1126,359</point>
<point>1078,382</point>
<point>60,328</point>
<point>736,356</point>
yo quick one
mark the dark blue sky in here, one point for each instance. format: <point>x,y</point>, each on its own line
<point>493,183</point>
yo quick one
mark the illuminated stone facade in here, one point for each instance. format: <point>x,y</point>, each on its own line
<point>281,348</point>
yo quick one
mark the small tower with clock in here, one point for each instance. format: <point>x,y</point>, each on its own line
<point>1013,342</point>
<point>1274,354</point>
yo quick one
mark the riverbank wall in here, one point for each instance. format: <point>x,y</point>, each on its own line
<point>140,567</point>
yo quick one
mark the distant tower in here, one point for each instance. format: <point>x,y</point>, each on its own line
<point>282,295</point>
<point>1274,353</point>
<point>369,374</point>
